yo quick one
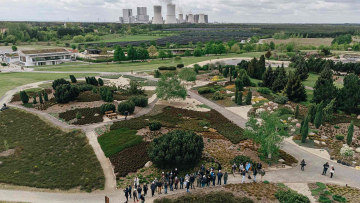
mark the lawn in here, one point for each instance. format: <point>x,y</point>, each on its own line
<point>117,140</point>
<point>9,81</point>
<point>46,157</point>
<point>310,82</point>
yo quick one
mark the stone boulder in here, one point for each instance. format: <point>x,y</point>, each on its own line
<point>148,164</point>
<point>298,125</point>
<point>357,150</point>
<point>316,142</point>
<point>233,98</point>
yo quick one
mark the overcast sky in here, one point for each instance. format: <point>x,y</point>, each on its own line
<point>232,11</point>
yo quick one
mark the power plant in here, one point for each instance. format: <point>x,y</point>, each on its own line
<point>142,17</point>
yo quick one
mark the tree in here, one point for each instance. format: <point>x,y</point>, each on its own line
<point>153,43</point>
<point>14,48</point>
<point>73,79</point>
<point>248,97</point>
<point>239,99</point>
<point>239,84</point>
<point>261,68</point>
<point>269,134</point>
<point>101,82</point>
<point>280,80</point>
<point>197,52</point>
<point>350,133</point>
<point>305,129</point>
<point>142,54</point>
<point>119,54</point>
<point>79,47</point>
<point>106,94</point>
<point>132,54</point>
<point>268,78</point>
<point>296,112</point>
<point>268,54</point>
<point>46,97</point>
<point>177,148</point>
<point>170,88</point>
<point>24,97</point>
<point>329,110</point>
<point>300,69</point>
<point>295,90</point>
<point>312,113</point>
<point>199,45</point>
<point>40,99</point>
<point>187,74</point>
<point>169,54</point>
<point>244,77</point>
<point>65,93</point>
<point>272,45</point>
<point>236,94</point>
<point>152,51</point>
<point>251,70</point>
<point>349,95</point>
<point>235,48</point>
<point>319,115</point>
<point>167,45</point>
<point>187,53</point>
<point>58,82</point>
<point>73,46</point>
<point>324,89</point>
<point>34,99</point>
<point>220,49</point>
<point>162,54</point>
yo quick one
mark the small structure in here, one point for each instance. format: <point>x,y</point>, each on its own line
<point>92,51</point>
<point>44,57</point>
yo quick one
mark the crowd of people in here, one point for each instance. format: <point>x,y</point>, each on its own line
<point>202,178</point>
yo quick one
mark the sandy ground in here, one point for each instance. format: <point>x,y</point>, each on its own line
<point>302,188</point>
<point>241,110</point>
<point>188,103</point>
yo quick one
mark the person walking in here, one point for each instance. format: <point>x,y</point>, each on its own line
<point>126,191</point>
<point>153,188</point>
<point>176,182</point>
<point>192,180</point>
<point>142,198</point>
<point>303,164</point>
<point>129,191</point>
<point>171,184</point>
<point>136,182</point>
<point>219,175</point>
<point>145,189</point>
<point>159,187</point>
<point>225,178</point>
<point>139,190</point>
<point>255,173</point>
<point>326,166</point>
<point>187,186</point>
<point>243,173</point>
<point>165,187</point>
<point>332,171</point>
<point>182,182</point>
<point>135,195</point>
<point>234,168</point>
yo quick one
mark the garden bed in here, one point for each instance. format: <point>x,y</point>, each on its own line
<point>89,115</point>
<point>256,191</point>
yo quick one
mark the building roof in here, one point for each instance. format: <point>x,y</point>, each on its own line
<point>45,51</point>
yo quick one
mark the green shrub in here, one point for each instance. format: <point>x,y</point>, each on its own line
<point>106,94</point>
<point>248,98</point>
<point>283,111</point>
<point>281,100</point>
<point>126,106</point>
<point>340,137</point>
<point>107,107</point>
<point>94,90</point>
<point>336,127</point>
<point>91,81</point>
<point>327,192</point>
<point>140,100</point>
<point>155,125</point>
<point>266,182</point>
<point>167,68</point>
<point>85,87</point>
<point>58,82</point>
<point>204,123</point>
<point>73,79</point>
<point>65,93</point>
<point>290,196</point>
<point>217,96</point>
<point>339,198</point>
<point>324,199</point>
<point>46,97</point>
<point>157,74</point>
<point>205,90</point>
<point>187,74</point>
<point>78,115</point>
<point>101,82</point>
<point>264,90</point>
<point>177,148</point>
<point>34,99</point>
<point>180,65</point>
<point>24,97</point>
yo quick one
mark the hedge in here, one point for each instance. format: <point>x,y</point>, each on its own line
<point>167,68</point>
<point>139,100</point>
<point>290,196</point>
<point>180,65</point>
<point>126,106</point>
<point>107,107</point>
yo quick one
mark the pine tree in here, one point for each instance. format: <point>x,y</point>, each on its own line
<point>261,68</point>
<point>295,90</point>
<point>268,78</point>
<point>24,97</point>
<point>312,113</point>
<point>239,84</point>
<point>281,79</point>
<point>324,89</point>
<point>40,99</point>
<point>248,97</point>
<point>350,133</point>
<point>305,130</point>
<point>46,97</point>
<point>328,111</point>
<point>236,94</point>
<point>251,70</point>
<point>240,98</point>
<point>297,112</point>
<point>301,69</point>
<point>319,115</point>
<point>34,99</point>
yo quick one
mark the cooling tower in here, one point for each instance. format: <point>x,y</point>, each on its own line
<point>196,18</point>
<point>201,18</point>
<point>181,18</point>
<point>157,15</point>
<point>206,18</point>
<point>191,18</point>
<point>170,16</point>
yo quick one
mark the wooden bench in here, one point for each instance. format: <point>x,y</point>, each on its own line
<point>111,115</point>
<point>108,112</point>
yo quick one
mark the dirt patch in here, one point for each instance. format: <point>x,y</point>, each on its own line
<point>59,108</point>
<point>7,153</point>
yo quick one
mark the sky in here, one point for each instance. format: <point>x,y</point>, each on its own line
<point>222,11</point>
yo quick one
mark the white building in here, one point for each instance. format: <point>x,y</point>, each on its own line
<point>141,16</point>
<point>127,16</point>
<point>44,57</point>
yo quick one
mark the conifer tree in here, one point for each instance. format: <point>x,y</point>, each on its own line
<point>24,97</point>
<point>40,99</point>
<point>295,90</point>
<point>305,129</point>
<point>34,99</point>
<point>236,94</point>
<point>280,80</point>
<point>248,97</point>
<point>240,98</point>
<point>297,112</point>
<point>312,113</point>
<point>301,70</point>
<point>46,97</point>
<point>319,115</point>
<point>350,133</point>
<point>268,78</point>
<point>324,89</point>
<point>261,68</point>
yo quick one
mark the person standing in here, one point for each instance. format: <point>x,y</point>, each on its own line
<point>145,189</point>
<point>203,181</point>
<point>241,167</point>
<point>187,186</point>
<point>176,182</point>
<point>176,172</point>
<point>208,171</point>
<point>234,168</point>
<point>332,171</point>
<point>165,187</point>
<point>142,198</point>
<point>135,195</point>
<point>248,168</point>
<point>192,180</point>
<point>198,180</point>
<point>139,190</point>
<point>136,182</point>
<point>129,191</point>
<point>202,168</point>
<point>159,187</point>
<point>219,175</point>
<point>243,173</point>
<point>326,166</point>
<point>167,175</point>
<point>153,188</point>
<point>126,191</point>
<point>171,184</point>
<point>208,179</point>
<point>182,182</point>
<point>255,173</point>
<point>259,166</point>
<point>303,164</point>
<point>225,178</point>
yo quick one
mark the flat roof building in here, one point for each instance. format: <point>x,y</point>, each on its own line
<point>141,16</point>
<point>127,16</point>
<point>43,57</point>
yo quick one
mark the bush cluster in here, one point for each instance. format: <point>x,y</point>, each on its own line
<point>167,68</point>
<point>180,65</point>
<point>58,82</point>
<point>139,100</point>
<point>155,125</point>
<point>217,96</point>
<point>281,100</point>
<point>106,94</point>
<point>242,159</point>
<point>339,137</point>
<point>290,196</point>
<point>107,107</point>
<point>85,87</point>
<point>157,74</point>
<point>205,90</point>
<point>91,81</point>
<point>65,93</point>
<point>24,97</point>
<point>264,90</point>
<point>126,106</point>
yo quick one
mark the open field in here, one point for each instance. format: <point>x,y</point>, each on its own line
<point>9,81</point>
<point>121,38</point>
<point>303,41</point>
<point>46,157</point>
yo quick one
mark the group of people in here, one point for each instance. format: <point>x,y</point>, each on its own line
<point>326,167</point>
<point>136,193</point>
<point>248,169</point>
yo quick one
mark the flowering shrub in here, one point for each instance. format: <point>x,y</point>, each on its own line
<point>346,151</point>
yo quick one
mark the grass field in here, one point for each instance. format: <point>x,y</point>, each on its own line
<point>46,157</point>
<point>9,81</point>
<point>303,41</point>
<point>121,38</point>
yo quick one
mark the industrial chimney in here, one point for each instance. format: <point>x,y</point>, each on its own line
<point>170,17</point>
<point>157,15</point>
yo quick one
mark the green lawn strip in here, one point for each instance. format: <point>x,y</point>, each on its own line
<point>117,140</point>
<point>46,157</point>
<point>9,81</point>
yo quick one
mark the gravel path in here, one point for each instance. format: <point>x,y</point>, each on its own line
<point>301,188</point>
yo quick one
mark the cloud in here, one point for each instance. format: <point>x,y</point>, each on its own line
<point>233,11</point>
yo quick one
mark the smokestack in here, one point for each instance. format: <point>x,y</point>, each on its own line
<point>157,15</point>
<point>170,17</point>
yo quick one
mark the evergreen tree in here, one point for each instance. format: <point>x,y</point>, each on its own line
<point>240,98</point>
<point>236,94</point>
<point>312,113</point>
<point>319,115</point>
<point>132,53</point>
<point>297,112</point>
<point>268,78</point>
<point>248,97</point>
<point>295,90</point>
<point>244,77</point>
<point>40,99</point>
<point>239,84</point>
<point>324,89</point>
<point>46,97</point>
<point>281,80</point>
<point>305,130</point>
<point>24,97</point>
<point>350,133</point>
<point>34,99</point>
<point>328,111</point>
<point>251,70</point>
<point>301,69</point>
<point>261,68</point>
<point>349,96</point>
